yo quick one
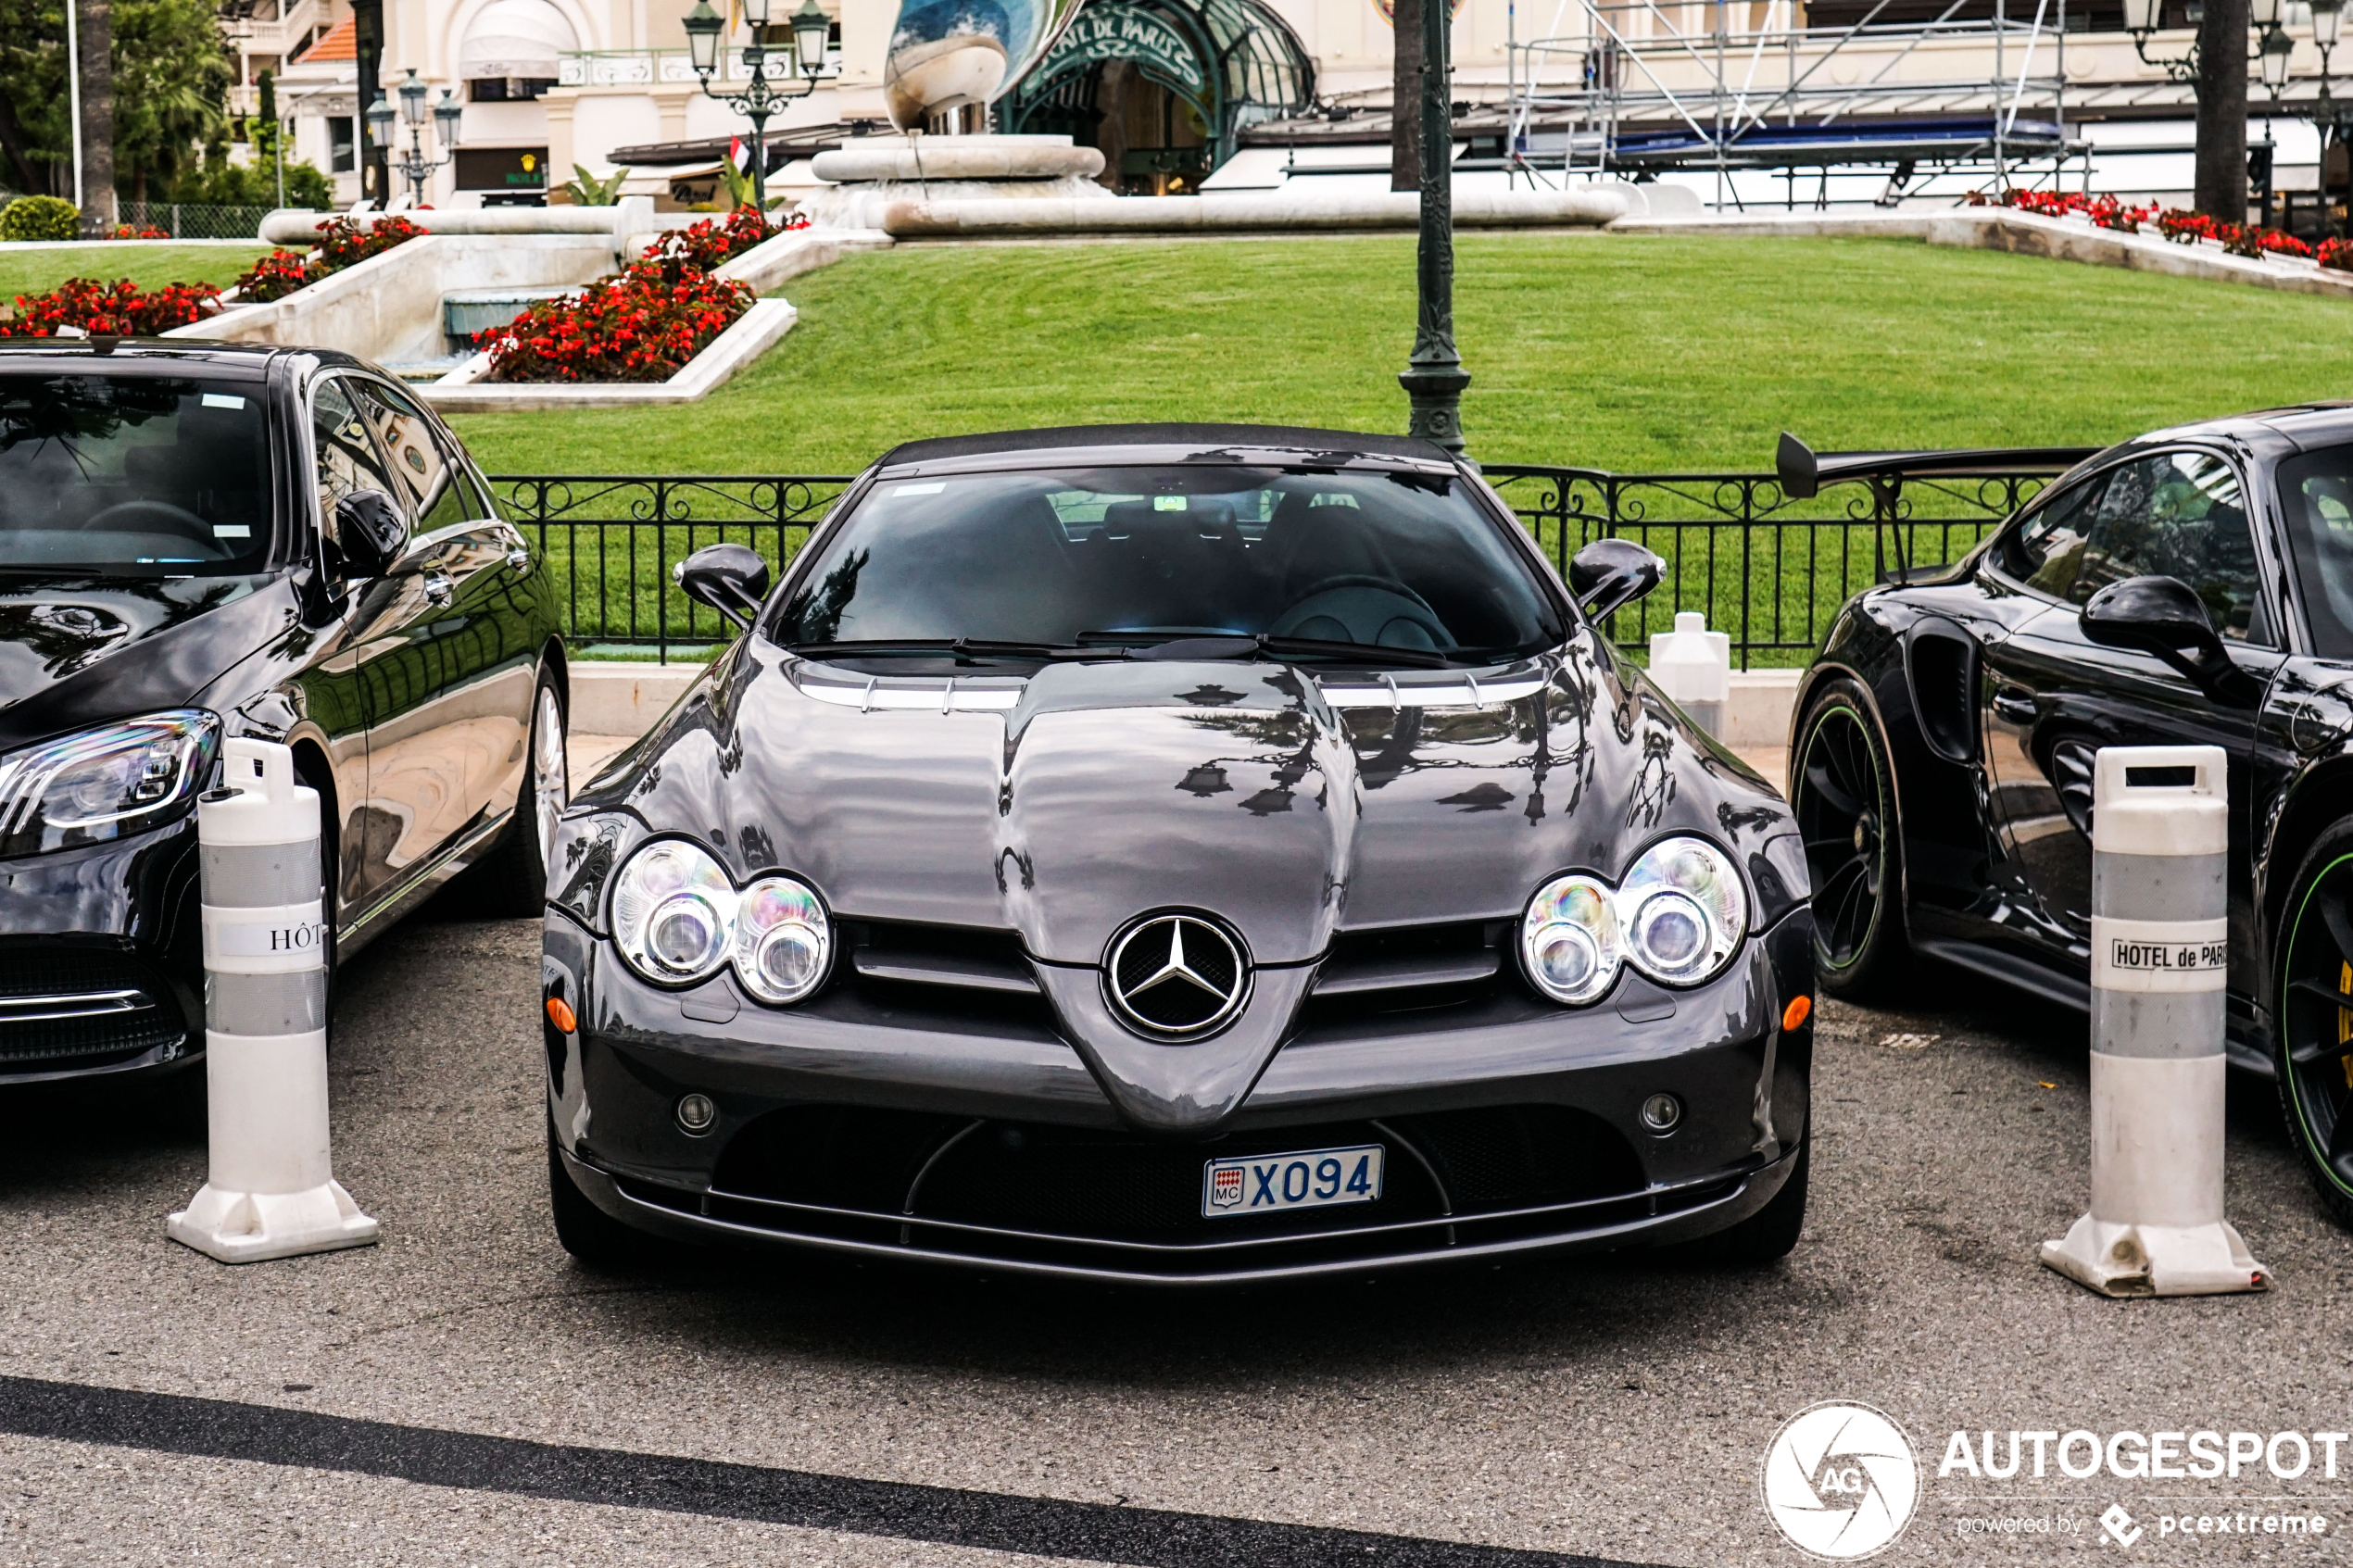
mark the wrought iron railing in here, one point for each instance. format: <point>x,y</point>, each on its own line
<point>1768,569</point>
<point>611,540</point>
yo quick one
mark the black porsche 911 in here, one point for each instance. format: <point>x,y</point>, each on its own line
<point>2192,587</point>
<point>205,541</point>
<point>1177,853</point>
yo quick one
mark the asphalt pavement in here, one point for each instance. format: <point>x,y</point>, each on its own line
<point>463,1393</point>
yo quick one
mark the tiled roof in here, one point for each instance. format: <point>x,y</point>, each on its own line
<point>340,42</point>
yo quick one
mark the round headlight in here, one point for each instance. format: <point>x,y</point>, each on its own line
<point>784,943</point>
<point>1685,908</point>
<point>1568,939</point>
<point>672,912</point>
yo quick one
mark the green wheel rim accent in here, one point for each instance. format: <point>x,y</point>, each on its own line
<point>1842,819</point>
<point>2305,1082</point>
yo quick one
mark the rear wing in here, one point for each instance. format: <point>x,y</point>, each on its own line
<point>1802,471</point>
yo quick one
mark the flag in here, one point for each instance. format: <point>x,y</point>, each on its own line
<point>739,155</point>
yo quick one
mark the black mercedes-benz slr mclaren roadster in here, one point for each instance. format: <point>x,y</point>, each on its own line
<point>2193,586</point>
<point>1177,853</point>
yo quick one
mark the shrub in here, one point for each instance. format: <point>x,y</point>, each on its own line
<point>40,218</point>
<point>639,326</point>
<point>116,310</point>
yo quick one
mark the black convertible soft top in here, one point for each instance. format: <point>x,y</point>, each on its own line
<point>1256,437</point>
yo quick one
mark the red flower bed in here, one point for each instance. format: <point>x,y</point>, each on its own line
<point>116,310</point>
<point>640,326</point>
<point>142,231</point>
<point>2337,254</point>
<point>2185,227</point>
<point>710,245</point>
<point>342,242</point>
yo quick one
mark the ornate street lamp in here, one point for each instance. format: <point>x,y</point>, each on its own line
<point>413,164</point>
<point>812,30</point>
<point>1434,377</point>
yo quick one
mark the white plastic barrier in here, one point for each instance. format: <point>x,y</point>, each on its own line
<point>2160,954</point>
<point>1694,666</point>
<point>271,1191</point>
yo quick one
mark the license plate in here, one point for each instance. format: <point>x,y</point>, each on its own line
<point>1263,1183</point>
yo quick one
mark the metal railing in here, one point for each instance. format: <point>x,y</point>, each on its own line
<point>1768,569</point>
<point>191,220</point>
<point>611,540</point>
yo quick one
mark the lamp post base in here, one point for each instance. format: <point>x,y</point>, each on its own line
<point>1436,393</point>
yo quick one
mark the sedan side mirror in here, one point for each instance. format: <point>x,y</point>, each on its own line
<point>731,579</point>
<point>370,532</point>
<point>1609,574</point>
<point>2164,617</point>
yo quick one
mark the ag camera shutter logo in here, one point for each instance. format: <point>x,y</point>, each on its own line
<point>1841,1481</point>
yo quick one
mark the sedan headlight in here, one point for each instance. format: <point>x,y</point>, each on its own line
<point>102,783</point>
<point>677,918</point>
<point>1678,917</point>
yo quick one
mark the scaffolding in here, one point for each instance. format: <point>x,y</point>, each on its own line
<point>1642,88</point>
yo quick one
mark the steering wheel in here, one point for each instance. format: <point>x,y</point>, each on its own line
<point>1379,602</point>
<point>129,517</point>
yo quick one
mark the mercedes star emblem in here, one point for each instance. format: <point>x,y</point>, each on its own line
<point>1177,977</point>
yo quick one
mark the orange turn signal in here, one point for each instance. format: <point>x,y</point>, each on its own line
<point>559,1014</point>
<point>1799,1009</point>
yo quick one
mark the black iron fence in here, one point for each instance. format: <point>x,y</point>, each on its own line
<point>1766,568</point>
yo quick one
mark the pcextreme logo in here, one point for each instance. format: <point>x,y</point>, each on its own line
<point>1841,1481</point>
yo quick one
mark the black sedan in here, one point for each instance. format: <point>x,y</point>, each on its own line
<point>2193,586</point>
<point>1177,853</point>
<point>198,541</point>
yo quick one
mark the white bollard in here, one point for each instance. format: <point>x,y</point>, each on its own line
<point>2160,954</point>
<point>271,1191</point>
<point>1694,667</point>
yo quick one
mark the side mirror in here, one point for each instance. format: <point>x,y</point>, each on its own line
<point>2164,617</point>
<point>370,532</point>
<point>731,579</point>
<point>1609,574</point>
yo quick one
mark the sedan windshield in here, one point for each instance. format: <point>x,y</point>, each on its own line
<point>133,475</point>
<point>1356,562</point>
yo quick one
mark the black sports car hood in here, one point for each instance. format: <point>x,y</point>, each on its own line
<point>82,651</point>
<point>1063,805</point>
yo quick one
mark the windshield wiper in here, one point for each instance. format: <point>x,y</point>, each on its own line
<point>960,647</point>
<point>1244,644</point>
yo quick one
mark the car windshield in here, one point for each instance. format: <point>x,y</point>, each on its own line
<point>134,475</point>
<point>2316,491</point>
<point>1104,556</point>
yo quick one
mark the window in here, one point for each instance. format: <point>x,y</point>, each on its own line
<point>348,456</point>
<point>1139,554</point>
<point>2176,514</point>
<point>342,154</point>
<point>140,476</point>
<point>2047,550</point>
<point>2316,492</point>
<point>428,486</point>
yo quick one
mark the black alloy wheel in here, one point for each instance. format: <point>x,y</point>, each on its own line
<point>1844,797</point>
<point>2312,1051</point>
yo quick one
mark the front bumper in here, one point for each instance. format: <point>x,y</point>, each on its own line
<point>101,958</point>
<point>893,1127</point>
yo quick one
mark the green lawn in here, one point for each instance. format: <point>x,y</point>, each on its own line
<point>1613,351</point>
<point>148,264</point>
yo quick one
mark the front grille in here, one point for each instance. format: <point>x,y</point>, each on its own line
<point>1082,1197</point>
<point>126,1010</point>
<point>1371,974</point>
<point>960,978</point>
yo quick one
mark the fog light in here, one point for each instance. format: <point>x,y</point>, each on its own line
<point>696,1114</point>
<point>1660,1112</point>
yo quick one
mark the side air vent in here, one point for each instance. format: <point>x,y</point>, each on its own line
<point>1940,659</point>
